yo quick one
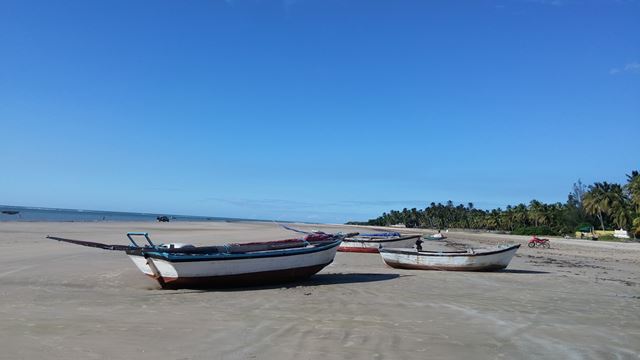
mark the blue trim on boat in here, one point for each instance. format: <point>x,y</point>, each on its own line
<point>384,234</point>
<point>172,257</point>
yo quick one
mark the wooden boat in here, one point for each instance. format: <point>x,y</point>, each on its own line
<point>177,265</point>
<point>469,260</point>
<point>370,243</point>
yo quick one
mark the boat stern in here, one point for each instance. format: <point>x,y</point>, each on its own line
<point>141,264</point>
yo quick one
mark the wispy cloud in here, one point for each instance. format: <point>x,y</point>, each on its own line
<point>260,203</point>
<point>548,2</point>
<point>402,203</point>
<point>632,67</point>
<point>285,4</point>
<point>282,203</point>
<point>288,4</point>
<point>278,204</point>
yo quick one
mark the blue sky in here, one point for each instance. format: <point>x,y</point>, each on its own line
<point>313,110</point>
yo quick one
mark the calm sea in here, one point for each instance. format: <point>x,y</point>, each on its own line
<point>20,213</point>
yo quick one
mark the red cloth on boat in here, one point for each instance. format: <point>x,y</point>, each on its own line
<point>318,237</point>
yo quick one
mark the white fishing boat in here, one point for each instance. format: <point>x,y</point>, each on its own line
<point>463,260</point>
<point>177,265</point>
<point>437,236</point>
<point>371,243</point>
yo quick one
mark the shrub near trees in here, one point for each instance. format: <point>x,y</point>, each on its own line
<point>603,205</point>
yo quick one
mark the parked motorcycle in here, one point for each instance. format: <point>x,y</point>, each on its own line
<point>537,242</point>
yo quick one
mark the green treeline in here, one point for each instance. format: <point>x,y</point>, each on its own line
<point>602,205</point>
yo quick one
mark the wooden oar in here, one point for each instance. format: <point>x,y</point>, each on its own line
<point>194,250</point>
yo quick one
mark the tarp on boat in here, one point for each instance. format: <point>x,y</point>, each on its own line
<point>383,234</point>
<point>318,237</point>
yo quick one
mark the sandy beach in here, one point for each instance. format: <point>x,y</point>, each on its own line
<point>577,300</point>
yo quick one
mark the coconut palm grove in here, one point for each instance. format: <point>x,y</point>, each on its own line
<point>602,205</point>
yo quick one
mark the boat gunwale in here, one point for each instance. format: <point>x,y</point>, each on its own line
<point>185,257</point>
<point>445,253</point>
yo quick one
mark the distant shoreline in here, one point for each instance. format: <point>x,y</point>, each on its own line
<point>11,213</point>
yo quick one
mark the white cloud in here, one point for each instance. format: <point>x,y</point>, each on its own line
<point>286,4</point>
<point>547,2</point>
<point>632,67</point>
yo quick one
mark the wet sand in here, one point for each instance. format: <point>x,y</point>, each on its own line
<point>577,300</point>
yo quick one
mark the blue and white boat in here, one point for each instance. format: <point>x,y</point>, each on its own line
<point>177,265</point>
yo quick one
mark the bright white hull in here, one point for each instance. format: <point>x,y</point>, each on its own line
<point>479,261</point>
<point>230,271</point>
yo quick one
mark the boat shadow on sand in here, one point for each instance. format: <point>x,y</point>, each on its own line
<point>316,280</point>
<point>348,278</point>
<point>323,280</point>
<point>519,271</point>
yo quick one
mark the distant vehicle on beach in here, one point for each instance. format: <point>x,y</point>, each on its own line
<point>163,219</point>
<point>537,242</point>
<point>10,212</point>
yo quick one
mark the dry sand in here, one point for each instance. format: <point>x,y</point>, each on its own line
<point>577,300</point>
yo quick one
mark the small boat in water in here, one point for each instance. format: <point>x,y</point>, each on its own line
<point>464,260</point>
<point>10,212</point>
<point>178,265</point>
<point>371,243</point>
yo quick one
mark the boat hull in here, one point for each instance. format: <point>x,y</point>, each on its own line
<point>241,280</point>
<point>373,245</point>
<point>453,261</point>
<point>233,270</point>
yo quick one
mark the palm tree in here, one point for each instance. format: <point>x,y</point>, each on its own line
<point>493,219</point>
<point>508,218</point>
<point>537,212</point>
<point>611,204</point>
<point>596,201</point>
<point>520,215</point>
<point>619,207</point>
<point>605,199</point>
<point>633,188</point>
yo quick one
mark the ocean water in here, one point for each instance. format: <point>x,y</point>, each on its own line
<point>20,213</point>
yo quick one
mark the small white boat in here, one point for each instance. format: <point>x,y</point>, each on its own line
<point>437,236</point>
<point>177,265</point>
<point>469,260</point>
<point>371,243</point>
